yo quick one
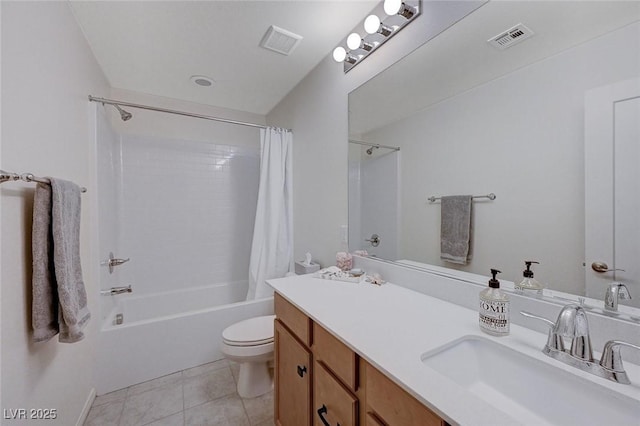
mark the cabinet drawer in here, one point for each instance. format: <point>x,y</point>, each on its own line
<point>293,318</point>
<point>293,379</point>
<point>393,405</point>
<point>333,404</point>
<point>334,354</point>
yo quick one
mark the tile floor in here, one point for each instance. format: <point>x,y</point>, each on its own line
<point>204,395</point>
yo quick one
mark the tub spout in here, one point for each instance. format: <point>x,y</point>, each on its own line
<point>116,290</point>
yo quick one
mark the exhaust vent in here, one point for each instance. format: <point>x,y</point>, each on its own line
<point>510,37</point>
<point>279,40</point>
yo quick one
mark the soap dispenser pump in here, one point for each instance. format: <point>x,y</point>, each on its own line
<point>529,284</point>
<point>494,308</point>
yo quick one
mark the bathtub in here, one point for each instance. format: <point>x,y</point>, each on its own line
<point>167,332</point>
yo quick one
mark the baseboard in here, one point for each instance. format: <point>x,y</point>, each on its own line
<point>87,406</point>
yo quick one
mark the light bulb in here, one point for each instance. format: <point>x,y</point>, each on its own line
<point>371,24</point>
<point>353,41</point>
<point>391,7</point>
<point>339,54</point>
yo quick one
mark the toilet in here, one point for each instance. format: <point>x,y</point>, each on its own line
<point>250,343</point>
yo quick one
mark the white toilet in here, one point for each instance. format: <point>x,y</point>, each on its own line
<point>250,343</point>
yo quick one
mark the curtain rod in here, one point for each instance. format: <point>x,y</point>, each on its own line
<point>377,145</point>
<point>173,111</point>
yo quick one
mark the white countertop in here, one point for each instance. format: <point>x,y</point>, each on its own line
<point>391,327</point>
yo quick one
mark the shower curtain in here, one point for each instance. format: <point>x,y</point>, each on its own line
<point>272,246</point>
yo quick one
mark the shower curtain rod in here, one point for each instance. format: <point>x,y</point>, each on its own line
<point>173,111</point>
<point>377,145</point>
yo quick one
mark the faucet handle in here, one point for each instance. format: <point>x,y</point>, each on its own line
<point>615,291</point>
<point>623,292</point>
<point>572,323</point>
<point>612,360</point>
<point>554,341</point>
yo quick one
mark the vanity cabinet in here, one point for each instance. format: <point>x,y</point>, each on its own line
<point>333,403</point>
<point>320,381</point>
<point>293,370</point>
<point>389,404</point>
<point>292,379</point>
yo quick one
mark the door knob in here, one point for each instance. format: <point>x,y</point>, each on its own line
<point>602,267</point>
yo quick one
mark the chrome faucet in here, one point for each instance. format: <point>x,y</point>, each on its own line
<point>116,290</point>
<point>614,292</point>
<point>572,324</point>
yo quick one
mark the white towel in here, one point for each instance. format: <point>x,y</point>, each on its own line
<point>456,229</point>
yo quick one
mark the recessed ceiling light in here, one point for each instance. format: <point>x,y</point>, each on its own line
<point>201,80</point>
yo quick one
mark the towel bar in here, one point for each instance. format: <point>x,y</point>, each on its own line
<point>490,196</point>
<point>27,177</point>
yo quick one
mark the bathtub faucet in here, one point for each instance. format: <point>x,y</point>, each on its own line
<point>116,290</point>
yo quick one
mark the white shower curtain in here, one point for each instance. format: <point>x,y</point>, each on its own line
<point>272,247</point>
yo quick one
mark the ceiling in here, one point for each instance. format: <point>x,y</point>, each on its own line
<point>155,47</point>
<point>460,58</point>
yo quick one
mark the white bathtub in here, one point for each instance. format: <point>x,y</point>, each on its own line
<point>168,332</point>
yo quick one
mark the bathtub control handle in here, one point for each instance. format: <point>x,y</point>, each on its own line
<point>302,370</point>
<point>112,262</point>
<point>116,290</point>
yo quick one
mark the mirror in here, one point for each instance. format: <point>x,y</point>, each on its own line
<point>472,118</point>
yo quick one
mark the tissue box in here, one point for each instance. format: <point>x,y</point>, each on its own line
<point>302,269</point>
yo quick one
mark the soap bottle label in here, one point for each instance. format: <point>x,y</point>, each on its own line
<point>494,316</point>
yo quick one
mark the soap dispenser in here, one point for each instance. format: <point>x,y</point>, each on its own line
<point>529,284</point>
<point>494,308</point>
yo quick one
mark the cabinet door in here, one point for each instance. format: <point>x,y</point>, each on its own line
<point>393,405</point>
<point>372,420</point>
<point>333,404</point>
<point>336,356</point>
<point>292,379</point>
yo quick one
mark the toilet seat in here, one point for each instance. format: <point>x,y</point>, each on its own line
<point>251,332</point>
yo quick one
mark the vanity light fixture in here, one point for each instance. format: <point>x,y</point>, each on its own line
<point>372,24</point>
<point>354,42</point>
<point>397,14</point>
<point>398,7</point>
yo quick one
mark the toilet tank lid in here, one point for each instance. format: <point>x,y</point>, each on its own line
<point>250,330</point>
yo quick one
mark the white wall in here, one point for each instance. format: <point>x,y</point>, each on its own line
<point>317,111</point>
<point>522,137</point>
<point>109,212</point>
<point>355,195</point>
<point>47,72</point>
<point>188,210</point>
<point>379,200</point>
<point>186,194</point>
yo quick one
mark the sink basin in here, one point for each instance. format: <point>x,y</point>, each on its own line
<point>527,389</point>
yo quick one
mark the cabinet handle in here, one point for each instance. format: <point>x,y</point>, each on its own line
<point>302,370</point>
<point>321,412</point>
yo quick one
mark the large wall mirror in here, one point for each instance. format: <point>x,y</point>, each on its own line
<point>531,123</point>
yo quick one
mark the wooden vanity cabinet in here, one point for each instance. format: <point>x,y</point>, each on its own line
<point>389,404</point>
<point>320,381</point>
<point>333,403</point>
<point>293,372</point>
<point>292,379</point>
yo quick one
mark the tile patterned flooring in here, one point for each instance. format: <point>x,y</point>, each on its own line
<point>204,395</point>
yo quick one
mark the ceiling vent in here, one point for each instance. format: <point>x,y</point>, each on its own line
<point>279,40</point>
<point>511,36</point>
